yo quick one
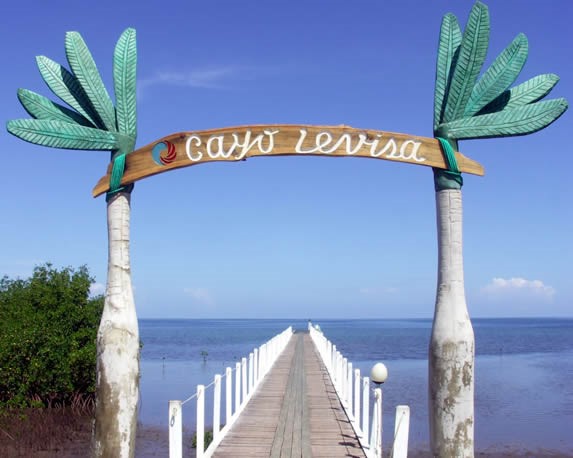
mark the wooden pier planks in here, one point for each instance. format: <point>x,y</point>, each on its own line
<point>292,433</point>
<point>294,413</point>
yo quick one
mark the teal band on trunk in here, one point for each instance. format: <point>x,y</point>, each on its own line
<point>451,178</point>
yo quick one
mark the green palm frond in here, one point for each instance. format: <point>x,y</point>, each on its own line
<point>473,50</point>
<point>124,76</point>
<point>85,70</point>
<point>91,122</point>
<point>67,87</point>
<point>488,108</point>
<point>58,134</point>
<point>512,121</point>
<point>41,107</point>
<point>531,91</point>
<point>448,48</point>
<point>499,76</point>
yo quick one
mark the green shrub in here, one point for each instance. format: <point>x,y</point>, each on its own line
<point>207,439</point>
<point>48,326</point>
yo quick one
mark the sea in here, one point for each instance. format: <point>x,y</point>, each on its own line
<point>523,372</point>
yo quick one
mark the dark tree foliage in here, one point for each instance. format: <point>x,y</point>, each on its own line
<point>48,326</point>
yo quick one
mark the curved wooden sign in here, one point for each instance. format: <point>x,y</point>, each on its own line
<point>239,143</point>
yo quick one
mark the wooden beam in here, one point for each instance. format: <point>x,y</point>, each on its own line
<point>239,143</point>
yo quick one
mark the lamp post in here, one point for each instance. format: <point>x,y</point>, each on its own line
<point>378,375</point>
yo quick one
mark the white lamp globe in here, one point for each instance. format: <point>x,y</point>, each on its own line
<point>379,373</point>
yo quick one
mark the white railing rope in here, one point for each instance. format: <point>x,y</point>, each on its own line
<point>348,385</point>
<point>248,375</point>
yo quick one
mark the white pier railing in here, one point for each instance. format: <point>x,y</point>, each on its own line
<point>247,376</point>
<point>354,394</point>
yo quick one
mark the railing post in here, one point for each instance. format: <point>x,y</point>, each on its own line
<point>228,394</point>
<point>344,377</point>
<point>376,433</point>
<point>251,373</point>
<point>357,397</point>
<point>244,379</point>
<point>216,406</point>
<point>337,371</point>
<point>365,407</point>
<point>349,391</point>
<point>256,366</point>
<point>175,430</point>
<point>401,432</point>
<point>200,421</point>
<point>334,365</point>
<point>237,387</point>
<point>264,359</point>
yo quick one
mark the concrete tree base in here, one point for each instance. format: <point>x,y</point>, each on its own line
<point>117,345</point>
<point>451,354</point>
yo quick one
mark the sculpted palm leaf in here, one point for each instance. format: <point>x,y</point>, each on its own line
<point>487,108</point>
<point>124,76</point>
<point>508,122</point>
<point>85,70</point>
<point>473,50</point>
<point>499,76</point>
<point>532,90</point>
<point>448,48</point>
<point>58,134</point>
<point>41,107</point>
<point>67,87</point>
<point>91,123</point>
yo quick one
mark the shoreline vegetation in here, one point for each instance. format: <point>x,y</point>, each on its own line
<point>48,325</point>
<point>66,432</point>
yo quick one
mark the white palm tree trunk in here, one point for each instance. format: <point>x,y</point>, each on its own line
<point>451,355</point>
<point>117,344</point>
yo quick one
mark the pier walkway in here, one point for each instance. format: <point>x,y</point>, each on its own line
<point>295,412</point>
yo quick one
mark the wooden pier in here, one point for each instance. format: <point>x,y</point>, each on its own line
<point>295,412</point>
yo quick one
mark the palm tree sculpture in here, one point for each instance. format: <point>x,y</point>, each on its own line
<point>94,123</point>
<point>466,107</point>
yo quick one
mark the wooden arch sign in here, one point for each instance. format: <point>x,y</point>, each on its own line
<point>239,143</point>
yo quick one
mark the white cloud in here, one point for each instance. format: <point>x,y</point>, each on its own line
<point>206,78</point>
<point>200,295</point>
<point>501,288</point>
<point>380,291</point>
<point>96,289</point>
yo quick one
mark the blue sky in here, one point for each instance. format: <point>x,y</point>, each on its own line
<point>293,237</point>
